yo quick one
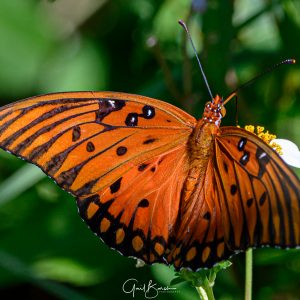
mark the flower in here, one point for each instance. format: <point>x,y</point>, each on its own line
<point>288,150</point>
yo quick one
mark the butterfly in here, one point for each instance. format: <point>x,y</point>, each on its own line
<point>153,182</point>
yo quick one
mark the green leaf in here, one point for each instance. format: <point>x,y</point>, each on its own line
<point>67,270</point>
<point>176,280</point>
<point>20,181</point>
<point>16,266</point>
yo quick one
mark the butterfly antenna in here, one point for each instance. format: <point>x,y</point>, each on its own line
<point>199,63</point>
<point>289,61</point>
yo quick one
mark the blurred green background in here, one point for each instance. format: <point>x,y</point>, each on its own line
<point>136,46</point>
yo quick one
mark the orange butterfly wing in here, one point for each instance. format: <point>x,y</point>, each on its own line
<point>249,198</point>
<point>126,158</point>
<point>123,156</point>
<point>268,213</point>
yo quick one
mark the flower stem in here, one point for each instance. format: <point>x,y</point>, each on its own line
<point>205,291</point>
<point>248,279</point>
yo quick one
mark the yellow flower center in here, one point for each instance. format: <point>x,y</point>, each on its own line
<point>265,136</point>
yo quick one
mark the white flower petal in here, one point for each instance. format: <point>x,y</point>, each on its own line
<point>291,153</point>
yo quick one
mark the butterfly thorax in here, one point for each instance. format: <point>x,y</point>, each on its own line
<point>201,139</point>
<point>201,147</point>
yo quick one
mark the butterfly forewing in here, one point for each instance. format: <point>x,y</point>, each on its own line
<point>75,137</point>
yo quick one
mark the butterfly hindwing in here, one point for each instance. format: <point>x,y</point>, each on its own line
<point>137,213</point>
<point>262,193</point>
<point>200,240</point>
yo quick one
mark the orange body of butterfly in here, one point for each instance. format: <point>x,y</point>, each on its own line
<point>153,182</point>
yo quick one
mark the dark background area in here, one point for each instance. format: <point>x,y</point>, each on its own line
<point>136,46</point>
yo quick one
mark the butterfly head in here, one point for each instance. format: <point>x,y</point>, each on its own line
<point>214,111</point>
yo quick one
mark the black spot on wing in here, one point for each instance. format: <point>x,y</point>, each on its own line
<point>245,158</point>
<point>143,203</point>
<point>262,199</point>
<point>76,134</point>
<point>249,202</point>
<point>142,167</point>
<point>149,141</point>
<point>132,119</point>
<point>90,147</point>
<point>263,159</point>
<point>121,150</point>
<point>242,143</point>
<point>148,112</point>
<point>225,167</point>
<point>207,215</point>
<point>233,189</point>
<point>117,104</point>
<point>107,106</point>
<point>115,186</point>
